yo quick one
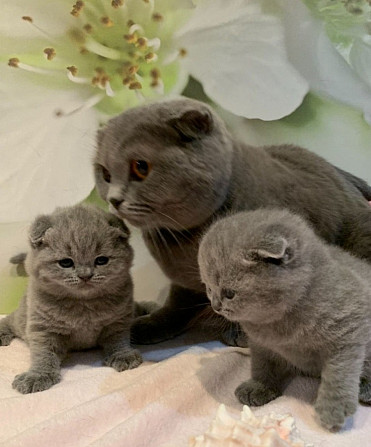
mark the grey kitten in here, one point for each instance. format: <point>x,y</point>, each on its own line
<point>80,294</point>
<point>171,169</point>
<point>305,305</point>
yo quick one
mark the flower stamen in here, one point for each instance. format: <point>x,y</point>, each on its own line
<point>50,53</point>
<point>77,8</point>
<point>102,50</point>
<point>16,63</point>
<point>117,3</point>
<point>106,21</point>
<point>91,102</point>
<point>71,74</point>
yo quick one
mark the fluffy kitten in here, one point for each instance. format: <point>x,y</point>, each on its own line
<point>80,294</point>
<point>305,305</point>
<point>171,169</point>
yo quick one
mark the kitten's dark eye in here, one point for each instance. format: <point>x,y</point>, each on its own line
<point>101,260</point>
<point>139,169</point>
<point>66,263</point>
<point>106,175</point>
<point>228,293</point>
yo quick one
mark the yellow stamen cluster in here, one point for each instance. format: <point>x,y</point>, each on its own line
<point>106,21</point>
<point>117,3</point>
<point>101,78</point>
<point>157,17</point>
<point>77,8</point>
<point>50,53</point>
<point>13,62</point>
<point>72,69</point>
<point>124,61</point>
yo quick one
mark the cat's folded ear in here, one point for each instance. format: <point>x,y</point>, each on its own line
<point>273,250</point>
<point>122,229</point>
<point>38,229</point>
<point>193,124</point>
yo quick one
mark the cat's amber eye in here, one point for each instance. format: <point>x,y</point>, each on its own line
<point>106,175</point>
<point>139,169</point>
<point>66,263</point>
<point>101,260</point>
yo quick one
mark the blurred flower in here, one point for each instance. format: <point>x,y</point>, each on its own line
<point>329,43</point>
<point>65,66</point>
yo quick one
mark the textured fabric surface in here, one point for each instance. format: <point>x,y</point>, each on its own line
<point>171,397</point>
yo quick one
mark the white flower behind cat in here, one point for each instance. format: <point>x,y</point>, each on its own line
<point>91,59</point>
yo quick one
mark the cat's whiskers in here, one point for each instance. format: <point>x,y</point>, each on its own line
<point>178,223</point>
<point>164,242</point>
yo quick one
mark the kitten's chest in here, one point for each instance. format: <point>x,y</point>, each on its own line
<point>296,346</point>
<point>176,254</point>
<point>82,324</point>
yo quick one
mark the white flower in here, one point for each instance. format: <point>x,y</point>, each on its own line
<point>65,66</point>
<point>339,68</point>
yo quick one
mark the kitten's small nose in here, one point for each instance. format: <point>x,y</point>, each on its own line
<point>85,274</point>
<point>216,305</point>
<point>115,202</point>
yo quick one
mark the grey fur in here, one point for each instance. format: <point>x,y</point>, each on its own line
<point>79,307</point>
<point>305,305</point>
<point>199,174</point>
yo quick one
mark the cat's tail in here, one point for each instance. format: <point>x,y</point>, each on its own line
<point>363,187</point>
<point>19,261</point>
<point>144,308</point>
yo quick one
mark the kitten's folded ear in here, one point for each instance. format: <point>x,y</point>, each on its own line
<point>116,222</point>
<point>193,124</point>
<point>274,250</point>
<point>38,229</point>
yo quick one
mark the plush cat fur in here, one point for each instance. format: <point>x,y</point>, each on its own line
<point>305,305</point>
<point>171,169</point>
<point>80,294</point>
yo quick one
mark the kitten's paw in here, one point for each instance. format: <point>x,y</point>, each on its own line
<point>365,391</point>
<point>33,381</point>
<point>123,360</point>
<point>147,330</point>
<point>254,393</point>
<point>6,338</point>
<point>332,415</point>
<point>235,336</point>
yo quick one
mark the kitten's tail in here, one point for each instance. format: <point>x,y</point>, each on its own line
<point>19,261</point>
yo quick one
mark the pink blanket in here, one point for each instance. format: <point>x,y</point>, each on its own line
<point>171,397</point>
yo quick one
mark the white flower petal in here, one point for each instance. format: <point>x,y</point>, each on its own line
<point>53,16</point>
<point>360,59</point>
<point>312,53</point>
<point>46,160</point>
<point>241,62</point>
<point>333,130</point>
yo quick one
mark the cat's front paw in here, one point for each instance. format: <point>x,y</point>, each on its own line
<point>254,393</point>
<point>123,360</point>
<point>332,415</point>
<point>33,381</point>
<point>6,338</point>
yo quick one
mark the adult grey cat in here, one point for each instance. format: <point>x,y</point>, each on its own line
<point>171,168</point>
<point>305,305</point>
<point>80,294</point>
